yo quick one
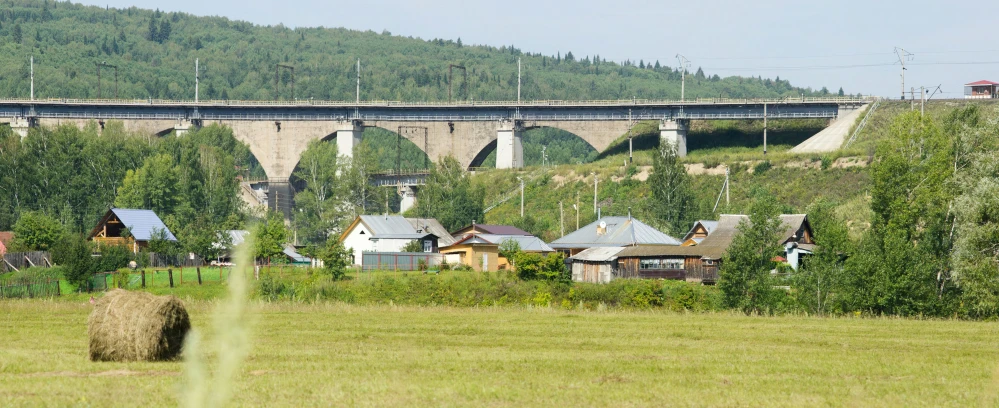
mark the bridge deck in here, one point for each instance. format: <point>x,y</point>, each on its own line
<point>311,110</point>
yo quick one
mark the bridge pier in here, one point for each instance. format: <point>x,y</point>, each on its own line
<point>675,132</point>
<point>20,126</point>
<point>182,128</point>
<point>408,194</point>
<point>509,145</point>
<point>348,136</point>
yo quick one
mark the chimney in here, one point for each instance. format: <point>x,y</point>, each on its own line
<point>629,213</point>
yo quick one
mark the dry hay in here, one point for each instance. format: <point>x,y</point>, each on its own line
<point>137,326</point>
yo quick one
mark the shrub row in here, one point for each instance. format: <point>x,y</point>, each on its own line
<point>489,289</point>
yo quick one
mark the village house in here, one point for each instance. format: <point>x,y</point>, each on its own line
<point>131,227</point>
<point>612,232</point>
<point>700,262</point>
<point>481,251</point>
<point>981,90</point>
<point>390,233</point>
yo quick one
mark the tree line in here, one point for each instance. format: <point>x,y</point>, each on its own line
<point>155,52</point>
<point>931,249</point>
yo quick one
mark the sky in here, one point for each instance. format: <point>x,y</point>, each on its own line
<point>847,43</point>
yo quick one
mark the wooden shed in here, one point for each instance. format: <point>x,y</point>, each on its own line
<point>595,265</point>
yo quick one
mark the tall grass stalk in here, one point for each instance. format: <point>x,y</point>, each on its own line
<point>232,334</point>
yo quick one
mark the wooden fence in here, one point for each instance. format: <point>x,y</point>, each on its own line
<point>21,260</point>
<point>30,289</point>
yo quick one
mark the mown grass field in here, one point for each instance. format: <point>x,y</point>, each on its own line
<point>340,355</point>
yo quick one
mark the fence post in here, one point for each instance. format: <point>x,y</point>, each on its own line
<point>58,288</point>
<point>199,275</point>
<point>170,275</point>
<point>143,273</point>
<point>181,275</point>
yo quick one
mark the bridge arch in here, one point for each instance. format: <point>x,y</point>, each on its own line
<point>560,146</point>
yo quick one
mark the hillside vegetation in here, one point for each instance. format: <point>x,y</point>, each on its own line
<point>155,53</point>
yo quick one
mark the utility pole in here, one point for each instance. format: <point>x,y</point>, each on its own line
<point>196,75</point>
<point>32,77</point>
<point>561,219</point>
<point>594,193</point>
<point>684,63</point>
<point>576,207</point>
<point>358,81</point>
<point>521,197</point>
<point>518,81</point>
<point>764,130</point>
<point>922,101</point>
<point>903,56</point>
<point>631,124</point>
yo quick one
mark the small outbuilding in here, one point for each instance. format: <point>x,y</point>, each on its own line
<point>595,265</point>
<point>132,227</point>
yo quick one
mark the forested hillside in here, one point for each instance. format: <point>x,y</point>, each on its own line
<point>154,53</point>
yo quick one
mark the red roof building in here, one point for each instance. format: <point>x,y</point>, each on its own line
<point>981,90</point>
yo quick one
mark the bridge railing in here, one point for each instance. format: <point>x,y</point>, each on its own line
<point>401,104</point>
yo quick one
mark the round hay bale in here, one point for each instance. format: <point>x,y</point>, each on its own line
<point>137,326</point>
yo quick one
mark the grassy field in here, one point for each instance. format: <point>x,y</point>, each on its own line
<point>333,354</point>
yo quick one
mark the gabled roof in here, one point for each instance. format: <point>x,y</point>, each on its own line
<point>716,244</point>
<point>292,253</point>
<point>982,82</point>
<point>527,243</point>
<point>598,254</point>
<point>432,226</point>
<point>620,231</point>
<point>493,229</point>
<point>140,223</point>
<point>709,225</point>
<point>394,227</point>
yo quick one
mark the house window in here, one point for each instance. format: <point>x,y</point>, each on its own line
<point>649,264</point>
<point>709,262</point>
<point>672,263</point>
<point>428,245</point>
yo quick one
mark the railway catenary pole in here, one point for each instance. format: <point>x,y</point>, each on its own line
<point>903,56</point>
<point>32,77</point>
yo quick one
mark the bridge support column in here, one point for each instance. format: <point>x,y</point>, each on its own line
<point>675,132</point>
<point>20,126</point>
<point>348,136</point>
<point>509,145</point>
<point>408,194</point>
<point>182,128</point>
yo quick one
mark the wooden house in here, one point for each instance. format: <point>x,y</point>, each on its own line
<point>481,251</point>
<point>699,262</point>
<point>612,232</point>
<point>131,227</point>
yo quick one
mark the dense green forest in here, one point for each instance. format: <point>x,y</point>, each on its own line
<point>155,51</point>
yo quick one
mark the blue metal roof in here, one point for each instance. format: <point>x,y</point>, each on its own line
<point>141,223</point>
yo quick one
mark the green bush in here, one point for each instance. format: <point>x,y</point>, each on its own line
<point>762,167</point>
